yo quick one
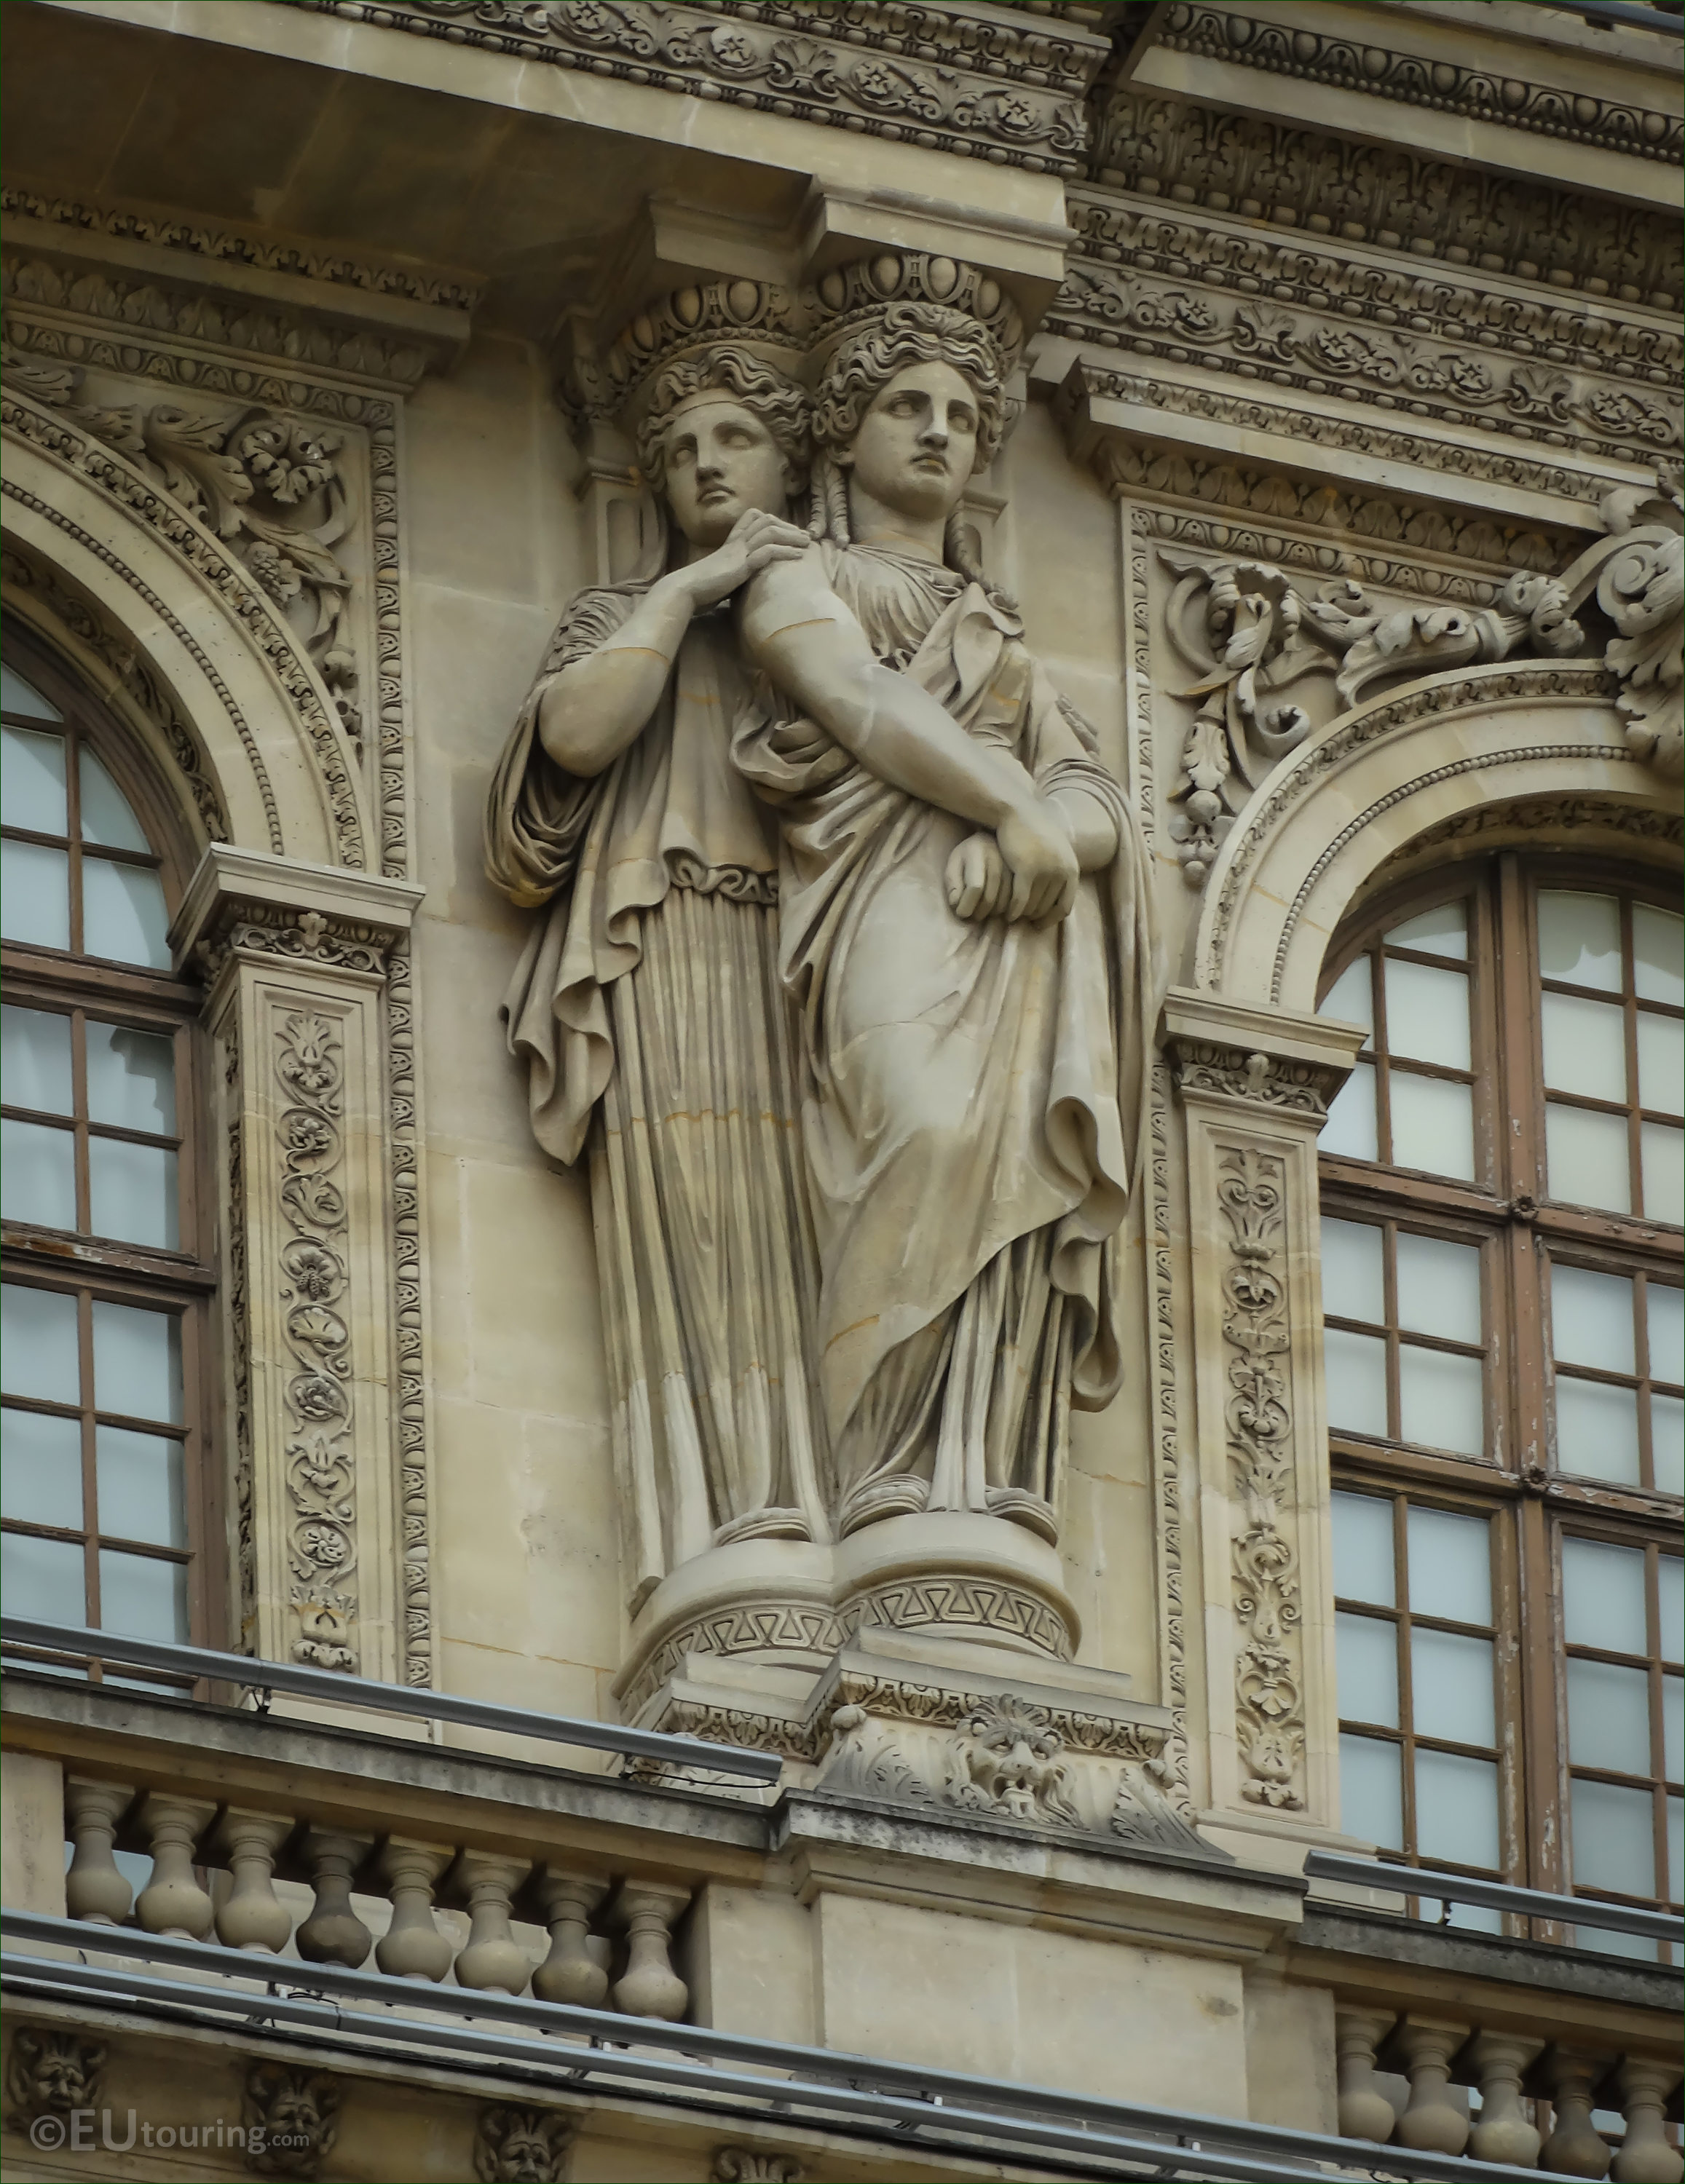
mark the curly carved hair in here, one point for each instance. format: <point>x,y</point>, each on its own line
<point>908,334</point>
<point>777,402</point>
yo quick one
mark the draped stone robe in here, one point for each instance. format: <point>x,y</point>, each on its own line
<point>972,1092</point>
<point>648,1008</point>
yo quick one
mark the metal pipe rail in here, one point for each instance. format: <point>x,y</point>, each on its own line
<point>814,2088</point>
<point>1625,13</point>
<point>1494,1895</point>
<point>424,1704</point>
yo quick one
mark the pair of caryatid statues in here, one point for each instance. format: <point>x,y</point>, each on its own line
<point>843,981</point>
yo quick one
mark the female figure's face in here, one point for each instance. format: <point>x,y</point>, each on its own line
<point>916,445</point>
<point>721,462</point>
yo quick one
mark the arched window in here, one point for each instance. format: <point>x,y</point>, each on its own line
<point>106,1231</point>
<point>1501,1190</point>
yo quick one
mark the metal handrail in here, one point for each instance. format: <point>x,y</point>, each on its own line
<point>1626,13</point>
<point>833,2086</point>
<point>1494,1895</point>
<point>422,1703</point>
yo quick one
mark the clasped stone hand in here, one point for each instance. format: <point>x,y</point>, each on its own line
<point>757,539</point>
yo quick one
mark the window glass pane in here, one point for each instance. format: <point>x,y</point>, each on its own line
<point>137,1362</point>
<point>1441,1400</point>
<point>1602,1596</point>
<point>1451,1687</point>
<point>1442,931</point>
<point>43,1580</point>
<point>1580,939</point>
<point>32,781</point>
<point>1665,1307</point>
<point>142,1597</point>
<point>1357,1382</point>
<point>1591,1318</point>
<point>1662,1154</point>
<point>1609,1716</point>
<point>1673,1727</point>
<point>123,914</point>
<point>40,1469</point>
<point>1450,1565</point>
<point>1439,1287</point>
<point>1366,1656</point>
<point>1657,938</point>
<point>1427,1014</point>
<point>1363,1548</point>
<point>1585,1157</point>
<point>1668,1444</point>
<point>1350,998</point>
<point>35,895</point>
<point>1457,1808</point>
<point>38,1344</point>
<point>1661,1063</point>
<point>1433,1125</point>
<point>107,817</point>
<point>1613,1839</point>
<point>131,1078</point>
<point>1597,1430</point>
<point>134,1193</point>
<point>1352,1281</point>
<point>1350,1127</point>
<point>1585,1046</point>
<point>35,1059</point>
<point>17,696</point>
<point>37,1173</point>
<point>142,1495</point>
<point>1371,1804</point>
<point>1670,1586</point>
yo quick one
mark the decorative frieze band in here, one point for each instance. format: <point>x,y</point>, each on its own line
<point>939,77</point>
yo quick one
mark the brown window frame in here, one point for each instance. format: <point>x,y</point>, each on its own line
<point>1516,1483</point>
<point>181,1281</point>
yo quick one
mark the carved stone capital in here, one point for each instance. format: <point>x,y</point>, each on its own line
<point>240,902</point>
<point>1227,1051</point>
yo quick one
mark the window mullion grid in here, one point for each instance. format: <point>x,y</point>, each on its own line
<point>1383,1083</point>
<point>79,1105</point>
<point>1629,1026</point>
<point>1658,1722</point>
<point>73,822</point>
<point>1406,1742</point>
<point>1389,1305</point>
<point>90,1458</point>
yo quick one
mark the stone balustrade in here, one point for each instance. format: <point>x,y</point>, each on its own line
<point>1437,2082</point>
<point>268,1880</point>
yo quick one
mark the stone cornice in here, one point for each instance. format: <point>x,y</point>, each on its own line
<point>1393,198</point>
<point>276,907</point>
<point>1442,84</point>
<point>979,82</point>
<point>1324,320</point>
<point>1227,1051</point>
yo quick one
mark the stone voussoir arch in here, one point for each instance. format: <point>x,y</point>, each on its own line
<point>273,766</point>
<point>1477,740</point>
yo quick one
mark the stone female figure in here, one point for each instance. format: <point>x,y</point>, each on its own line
<point>975,1026</point>
<point>647,1003</point>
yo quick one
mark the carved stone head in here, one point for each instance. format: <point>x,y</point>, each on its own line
<point>52,2073</point>
<point>521,2146</point>
<point>725,432</point>
<point>942,353</point>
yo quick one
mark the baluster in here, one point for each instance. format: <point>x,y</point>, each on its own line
<point>493,1956</point>
<point>569,1973</point>
<point>253,1916</point>
<point>413,1946</point>
<point>1503,2133</point>
<point>649,1986</point>
<point>172,1902</point>
<point>333,1934</point>
<point>1575,2148</point>
<point>95,1889</point>
<point>1365,2112</point>
<point>1433,2121</point>
<point>1645,2156</point>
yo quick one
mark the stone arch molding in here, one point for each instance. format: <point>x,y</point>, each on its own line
<point>1380,777</point>
<point>276,772</point>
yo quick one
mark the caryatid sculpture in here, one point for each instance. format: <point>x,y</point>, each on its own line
<point>845,979</point>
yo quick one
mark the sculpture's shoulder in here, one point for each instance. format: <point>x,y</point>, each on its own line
<point>589,617</point>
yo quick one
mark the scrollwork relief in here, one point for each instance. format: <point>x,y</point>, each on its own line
<point>1248,166</point>
<point>321,1478</point>
<point>1251,637</point>
<point>991,90</point>
<point>1258,1422</point>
